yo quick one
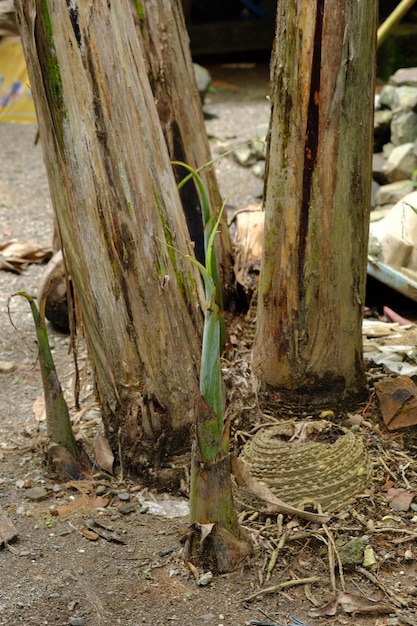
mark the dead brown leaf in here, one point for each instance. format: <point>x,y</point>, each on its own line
<point>104,454</point>
<point>38,409</point>
<point>17,254</point>
<point>351,603</point>
<point>399,499</point>
<point>104,531</point>
<point>101,502</point>
<point>89,534</point>
<point>274,504</point>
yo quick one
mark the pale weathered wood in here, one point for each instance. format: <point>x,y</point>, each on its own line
<point>171,73</point>
<point>312,286</point>
<point>118,213</point>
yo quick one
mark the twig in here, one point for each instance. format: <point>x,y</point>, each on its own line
<point>332,552</point>
<point>397,600</point>
<point>285,585</point>
<point>388,470</point>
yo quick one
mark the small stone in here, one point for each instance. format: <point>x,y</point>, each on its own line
<point>404,76</point>
<point>378,162</point>
<point>403,127</point>
<point>20,484</point>
<point>205,579</point>
<point>76,621</point>
<point>258,169</point>
<point>244,156</point>
<point>401,162</point>
<point>352,552</point>
<point>36,493</point>
<point>208,617</point>
<point>124,496</point>
<point>393,192</point>
<point>386,97</point>
<point>369,559</point>
<point>202,79</point>
<point>127,508</point>
<point>7,366</point>
<point>405,97</point>
<point>101,489</point>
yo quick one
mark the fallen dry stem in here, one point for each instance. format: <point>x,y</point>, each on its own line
<point>397,600</point>
<point>333,551</point>
<point>285,585</point>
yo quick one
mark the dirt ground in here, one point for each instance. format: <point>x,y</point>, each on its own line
<point>54,573</point>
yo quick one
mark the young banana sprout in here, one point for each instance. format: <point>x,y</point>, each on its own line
<point>216,539</point>
<point>65,453</point>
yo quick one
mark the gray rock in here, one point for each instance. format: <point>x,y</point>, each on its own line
<point>259,169</point>
<point>407,76</point>
<point>401,163</point>
<point>203,80</point>
<point>405,98</point>
<point>382,122</point>
<point>403,127</point>
<point>386,97</point>
<point>6,367</point>
<point>76,621</point>
<point>128,507</point>
<point>258,148</point>
<point>387,149</point>
<point>36,493</point>
<point>352,552</point>
<point>378,164</point>
<point>393,192</point>
<point>379,212</point>
<point>244,156</point>
<point>262,131</point>
<point>374,190</point>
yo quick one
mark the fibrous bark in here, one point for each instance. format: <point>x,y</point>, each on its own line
<point>172,78</point>
<point>313,273</point>
<point>120,219</point>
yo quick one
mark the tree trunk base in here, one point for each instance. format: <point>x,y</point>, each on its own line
<point>316,397</point>
<point>64,466</point>
<point>215,549</point>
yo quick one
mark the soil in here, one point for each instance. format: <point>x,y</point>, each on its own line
<point>59,570</point>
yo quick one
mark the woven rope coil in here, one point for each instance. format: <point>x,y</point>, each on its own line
<point>326,465</point>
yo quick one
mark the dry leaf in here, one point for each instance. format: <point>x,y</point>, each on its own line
<point>399,499</point>
<point>104,454</point>
<point>205,531</point>
<point>104,531</point>
<point>351,603</point>
<point>16,255</point>
<point>101,502</point>
<point>259,489</point>
<point>89,534</point>
<point>38,409</point>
